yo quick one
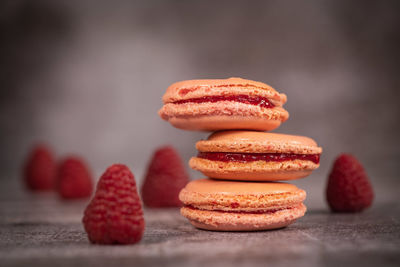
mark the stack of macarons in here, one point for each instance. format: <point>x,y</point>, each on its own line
<point>242,161</point>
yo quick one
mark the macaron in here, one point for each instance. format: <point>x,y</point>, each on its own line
<point>223,104</point>
<point>256,156</point>
<point>241,206</point>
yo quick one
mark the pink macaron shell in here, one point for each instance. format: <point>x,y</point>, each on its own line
<point>210,194</point>
<point>232,86</point>
<point>254,171</point>
<point>227,221</point>
<point>215,122</point>
<point>257,142</point>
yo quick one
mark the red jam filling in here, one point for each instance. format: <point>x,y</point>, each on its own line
<point>237,211</point>
<point>248,157</point>
<point>252,100</point>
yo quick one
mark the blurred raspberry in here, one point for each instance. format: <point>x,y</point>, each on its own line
<point>114,215</point>
<point>74,179</point>
<point>165,178</point>
<point>349,189</point>
<point>40,169</point>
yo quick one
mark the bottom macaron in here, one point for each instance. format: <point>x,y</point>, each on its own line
<point>241,206</point>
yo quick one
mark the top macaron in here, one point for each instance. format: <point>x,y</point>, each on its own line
<point>223,104</point>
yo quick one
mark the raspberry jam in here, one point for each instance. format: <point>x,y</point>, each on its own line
<point>252,100</point>
<point>248,157</point>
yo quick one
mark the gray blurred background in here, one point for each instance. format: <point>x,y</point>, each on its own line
<point>87,77</point>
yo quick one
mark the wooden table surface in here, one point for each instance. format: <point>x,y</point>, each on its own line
<point>41,230</point>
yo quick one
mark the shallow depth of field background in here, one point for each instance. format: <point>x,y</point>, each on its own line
<point>87,77</point>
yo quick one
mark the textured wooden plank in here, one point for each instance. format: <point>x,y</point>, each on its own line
<point>42,230</point>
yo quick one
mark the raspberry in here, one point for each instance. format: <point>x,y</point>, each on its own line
<point>114,215</point>
<point>74,179</point>
<point>40,169</point>
<point>349,189</point>
<point>165,178</point>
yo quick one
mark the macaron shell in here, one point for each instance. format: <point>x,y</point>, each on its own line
<point>222,108</point>
<point>215,123</point>
<point>232,86</point>
<point>228,221</point>
<point>223,115</point>
<point>209,194</point>
<point>255,170</point>
<point>210,186</point>
<point>258,142</point>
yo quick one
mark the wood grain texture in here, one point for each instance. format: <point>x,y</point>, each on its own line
<point>45,231</point>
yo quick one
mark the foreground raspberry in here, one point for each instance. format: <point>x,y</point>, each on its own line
<point>114,215</point>
<point>40,169</point>
<point>165,178</point>
<point>349,189</point>
<point>74,179</point>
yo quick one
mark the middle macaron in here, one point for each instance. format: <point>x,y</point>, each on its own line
<point>256,156</point>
